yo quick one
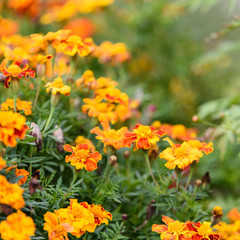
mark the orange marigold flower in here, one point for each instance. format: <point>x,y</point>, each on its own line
<point>15,71</point>
<point>8,27</point>
<point>144,137</point>
<point>174,230</point>
<point>87,80</point>
<point>58,87</point>
<point>17,226</point>
<point>12,126</point>
<point>24,106</point>
<point>101,110</point>
<point>113,53</point>
<point>83,140</point>
<point>234,215</point>
<point>202,146</point>
<point>55,229</point>
<point>82,157</point>
<point>228,231</point>
<point>110,136</point>
<point>202,231</point>
<point>180,155</point>
<point>11,193</point>
<point>82,27</point>
<point>2,163</point>
<point>19,172</point>
<point>100,214</point>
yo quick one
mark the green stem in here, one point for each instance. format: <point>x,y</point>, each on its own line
<point>49,117</point>
<point>37,93</point>
<point>150,170</point>
<point>75,176</point>
<point>85,236</point>
<point>189,177</point>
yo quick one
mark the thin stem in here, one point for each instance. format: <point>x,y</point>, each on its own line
<point>37,93</point>
<point>49,117</point>
<point>150,170</point>
<point>189,177</point>
<point>85,236</point>
<point>75,176</point>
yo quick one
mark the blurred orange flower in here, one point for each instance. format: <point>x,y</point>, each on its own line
<point>19,172</point>
<point>24,106</point>
<point>234,215</point>
<point>82,27</point>
<point>110,137</point>
<point>83,140</point>
<point>2,163</point>
<point>143,137</point>
<point>15,71</point>
<point>17,226</point>
<point>12,126</point>
<point>11,194</point>
<point>82,157</point>
<point>8,27</point>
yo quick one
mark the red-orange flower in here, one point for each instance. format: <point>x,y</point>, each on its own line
<point>234,215</point>
<point>173,230</point>
<point>15,71</point>
<point>110,136</point>
<point>82,157</point>
<point>144,137</point>
<point>202,231</point>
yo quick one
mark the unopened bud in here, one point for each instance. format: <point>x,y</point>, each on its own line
<point>195,118</point>
<point>221,115</point>
<point>113,160</point>
<point>40,70</point>
<point>126,154</point>
<point>2,77</point>
<point>34,183</point>
<point>198,182</point>
<point>35,132</point>
<point>6,209</point>
<point>58,134</point>
<point>217,214</point>
<point>124,217</point>
<point>206,179</point>
<point>151,209</point>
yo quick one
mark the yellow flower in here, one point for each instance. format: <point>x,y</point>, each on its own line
<point>12,126</point>
<point>24,106</point>
<point>2,163</point>
<point>179,155</point>
<point>58,87</point>
<point>17,227</point>
<point>11,193</point>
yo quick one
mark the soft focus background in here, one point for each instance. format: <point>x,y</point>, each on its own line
<point>184,62</point>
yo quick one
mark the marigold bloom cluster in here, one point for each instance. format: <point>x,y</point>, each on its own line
<point>76,219</point>
<point>17,226</point>
<point>110,137</point>
<point>82,157</point>
<point>143,137</point>
<point>12,127</point>
<point>178,131</point>
<point>58,87</point>
<point>182,155</point>
<point>184,231</point>
<point>108,104</point>
<point>11,193</point>
<point>15,71</point>
<point>8,27</point>
<point>113,53</point>
<point>24,106</point>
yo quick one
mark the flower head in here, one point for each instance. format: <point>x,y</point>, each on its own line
<point>15,71</point>
<point>172,230</point>
<point>17,226</point>
<point>24,106</point>
<point>11,193</point>
<point>2,163</point>
<point>180,155</point>
<point>82,157</point>
<point>83,140</point>
<point>110,136</point>
<point>234,215</point>
<point>100,214</point>
<point>12,126</point>
<point>143,137</point>
<point>58,87</point>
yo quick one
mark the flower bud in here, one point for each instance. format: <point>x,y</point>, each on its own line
<point>58,133</point>
<point>2,78</point>
<point>34,183</point>
<point>113,160</point>
<point>206,179</point>
<point>217,214</point>
<point>124,217</point>
<point>151,209</point>
<point>195,118</point>
<point>126,154</point>
<point>198,182</point>
<point>35,132</point>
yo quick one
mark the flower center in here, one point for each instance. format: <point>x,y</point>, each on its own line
<point>180,152</point>
<point>14,69</point>
<point>59,229</point>
<point>204,230</point>
<point>82,154</point>
<point>143,131</point>
<point>175,227</point>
